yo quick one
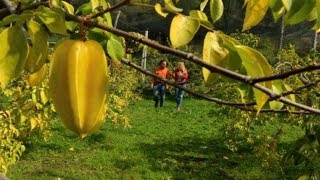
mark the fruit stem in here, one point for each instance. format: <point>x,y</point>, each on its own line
<point>82,33</point>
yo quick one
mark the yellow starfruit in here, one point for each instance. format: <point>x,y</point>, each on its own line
<point>78,81</point>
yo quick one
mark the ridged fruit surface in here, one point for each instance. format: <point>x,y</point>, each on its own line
<point>78,82</point>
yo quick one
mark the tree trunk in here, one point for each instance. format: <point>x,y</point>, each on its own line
<point>315,40</point>
<point>281,33</point>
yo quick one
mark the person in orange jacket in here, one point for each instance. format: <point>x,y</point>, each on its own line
<point>180,76</point>
<point>159,87</point>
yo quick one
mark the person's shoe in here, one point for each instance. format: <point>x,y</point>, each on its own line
<point>178,109</point>
<point>156,104</point>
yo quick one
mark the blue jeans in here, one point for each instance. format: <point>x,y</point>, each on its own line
<point>159,92</point>
<point>179,95</point>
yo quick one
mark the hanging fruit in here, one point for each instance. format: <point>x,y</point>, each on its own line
<point>78,81</point>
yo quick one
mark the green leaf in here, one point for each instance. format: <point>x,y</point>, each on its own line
<point>94,4</point>
<point>202,17</point>
<point>277,88</point>
<point>19,19</point>
<point>256,66</point>
<point>68,7</point>
<point>213,53</point>
<point>300,11</point>
<point>56,3</point>
<point>85,9</point>
<point>13,54</point>
<point>107,21</point>
<point>216,9</point>
<point>235,63</point>
<point>244,91</point>
<point>255,11</point>
<point>40,47</point>
<point>169,6</point>
<point>275,5</point>
<point>53,19</point>
<point>203,5</point>
<point>287,4</point>
<point>316,27</point>
<point>277,8</point>
<point>292,97</point>
<point>182,30</point>
<point>71,25</point>
<point>115,49</point>
<point>95,34</point>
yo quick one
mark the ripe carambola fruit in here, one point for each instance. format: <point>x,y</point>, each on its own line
<point>78,81</point>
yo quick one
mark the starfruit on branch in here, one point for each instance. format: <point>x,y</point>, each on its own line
<point>78,81</point>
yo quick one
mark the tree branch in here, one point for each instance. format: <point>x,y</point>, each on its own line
<point>122,3</point>
<point>146,72</point>
<point>9,5</point>
<point>6,12</point>
<point>197,60</point>
<point>211,99</point>
<point>194,59</point>
<point>311,67</point>
<point>274,111</point>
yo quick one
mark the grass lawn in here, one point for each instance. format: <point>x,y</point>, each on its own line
<point>161,144</point>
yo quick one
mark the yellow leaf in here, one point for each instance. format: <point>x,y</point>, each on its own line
<point>214,53</point>
<point>277,88</point>
<point>169,6</point>
<point>182,30</point>
<point>292,97</point>
<point>68,7</point>
<point>158,9</point>
<point>53,19</point>
<point>255,11</point>
<point>40,47</point>
<point>202,17</point>
<point>13,54</point>
<point>36,78</point>
<point>33,123</point>
<point>256,65</point>
<point>43,96</point>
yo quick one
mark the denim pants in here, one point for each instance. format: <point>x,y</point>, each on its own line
<point>179,95</point>
<point>159,92</point>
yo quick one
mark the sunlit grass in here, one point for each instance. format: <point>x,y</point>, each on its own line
<point>161,144</point>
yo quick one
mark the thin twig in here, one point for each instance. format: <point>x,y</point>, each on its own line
<point>311,67</point>
<point>274,111</point>
<point>301,88</point>
<point>122,3</point>
<point>140,4</point>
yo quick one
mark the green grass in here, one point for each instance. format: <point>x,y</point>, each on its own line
<point>161,144</point>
